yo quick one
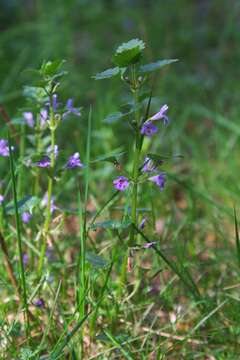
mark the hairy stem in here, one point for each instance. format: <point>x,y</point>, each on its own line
<point>49,197</point>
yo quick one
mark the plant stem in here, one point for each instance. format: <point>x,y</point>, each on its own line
<point>49,196</point>
<point>136,159</point>
<point>19,242</point>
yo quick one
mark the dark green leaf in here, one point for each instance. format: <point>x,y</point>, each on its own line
<point>112,156</point>
<point>107,74</point>
<point>113,117</point>
<point>128,53</point>
<point>155,66</point>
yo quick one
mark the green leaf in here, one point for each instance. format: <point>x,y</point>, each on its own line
<point>34,92</point>
<point>51,68</point>
<point>107,74</point>
<point>160,159</point>
<point>28,203</point>
<point>111,118</point>
<point>111,156</point>
<point>129,53</point>
<point>96,261</point>
<point>111,224</point>
<point>155,66</point>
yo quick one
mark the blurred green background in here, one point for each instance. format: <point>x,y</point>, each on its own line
<point>202,90</point>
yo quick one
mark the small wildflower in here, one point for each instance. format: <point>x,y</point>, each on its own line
<point>159,180</point>
<point>4,148</point>
<point>161,114</point>
<point>1,199</point>
<point>25,259</point>
<point>39,303</point>
<point>28,117</point>
<point>148,129</point>
<point>43,117</point>
<point>121,183</point>
<point>45,162</point>
<point>71,109</point>
<point>142,224</point>
<point>49,150</point>
<point>149,165</point>
<point>26,217</point>
<point>54,102</point>
<point>49,253</point>
<point>74,161</point>
<point>45,203</point>
<point>149,245</point>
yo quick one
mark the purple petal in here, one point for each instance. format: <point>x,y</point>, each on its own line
<point>121,183</point>
<point>160,114</point>
<point>26,217</point>
<point>28,117</point>
<point>74,161</point>
<point>148,129</point>
<point>159,180</point>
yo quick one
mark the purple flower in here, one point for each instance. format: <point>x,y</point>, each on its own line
<point>28,117</point>
<point>39,303</point>
<point>161,114</point>
<point>26,217</point>
<point>159,180</point>
<point>149,245</point>
<point>1,199</point>
<point>43,117</point>
<point>148,129</point>
<point>142,224</point>
<point>71,109</point>
<point>25,259</point>
<point>45,162</point>
<point>45,203</point>
<point>49,150</point>
<point>54,102</point>
<point>121,183</point>
<point>148,166</point>
<point>4,149</point>
<point>49,253</point>
<point>74,161</point>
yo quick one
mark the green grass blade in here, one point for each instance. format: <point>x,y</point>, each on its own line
<point>193,289</point>
<point>19,239</point>
<point>237,237</point>
<point>116,343</point>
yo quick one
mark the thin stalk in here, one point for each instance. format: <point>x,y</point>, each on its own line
<point>84,233</point>
<point>38,146</point>
<point>49,194</point>
<point>21,151</point>
<point>19,243</point>
<point>136,159</point>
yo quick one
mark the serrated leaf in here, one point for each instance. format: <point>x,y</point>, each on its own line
<point>111,224</point>
<point>107,74</point>
<point>155,66</point>
<point>28,203</point>
<point>96,261</point>
<point>128,53</point>
<point>111,118</point>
